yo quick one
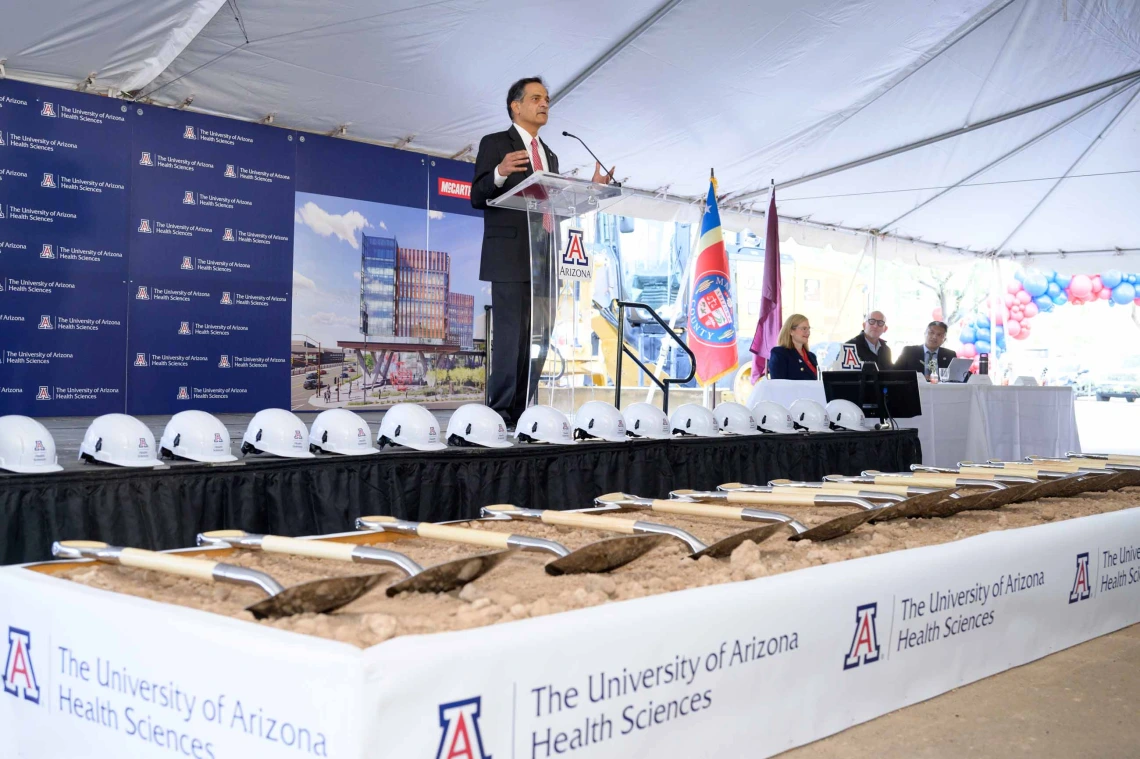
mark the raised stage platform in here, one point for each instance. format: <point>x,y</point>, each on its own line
<point>167,507</point>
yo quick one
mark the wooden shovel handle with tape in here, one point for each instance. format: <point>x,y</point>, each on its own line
<point>695,509</point>
<point>184,566</point>
<point>585,521</point>
<point>453,534</point>
<point>845,488</point>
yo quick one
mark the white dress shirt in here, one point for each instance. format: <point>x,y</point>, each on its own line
<point>526,138</point>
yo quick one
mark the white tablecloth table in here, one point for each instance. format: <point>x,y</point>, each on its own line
<point>786,392</point>
<point>979,422</point>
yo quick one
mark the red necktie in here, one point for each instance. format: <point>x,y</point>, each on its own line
<point>536,164</point>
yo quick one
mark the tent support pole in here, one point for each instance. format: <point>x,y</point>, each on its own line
<point>1128,78</point>
<point>1029,143</point>
<point>1069,170</point>
<point>624,42</point>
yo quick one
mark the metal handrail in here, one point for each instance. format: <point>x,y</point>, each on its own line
<point>621,306</point>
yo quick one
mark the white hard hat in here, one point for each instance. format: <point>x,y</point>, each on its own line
<point>646,420</point>
<point>120,440</point>
<point>544,424</point>
<point>478,425</point>
<point>735,419</point>
<point>339,430</point>
<point>846,415</point>
<point>692,419</point>
<point>772,417</point>
<point>810,416</point>
<point>411,426</point>
<point>26,446</point>
<point>599,420</point>
<point>277,432</point>
<point>197,436</point>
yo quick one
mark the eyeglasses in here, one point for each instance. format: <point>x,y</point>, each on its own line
<point>876,322</point>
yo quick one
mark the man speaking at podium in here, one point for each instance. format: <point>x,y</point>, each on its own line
<point>504,160</point>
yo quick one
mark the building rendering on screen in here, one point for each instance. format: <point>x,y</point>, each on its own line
<point>405,293</point>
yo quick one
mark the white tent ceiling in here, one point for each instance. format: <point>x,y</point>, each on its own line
<point>758,89</point>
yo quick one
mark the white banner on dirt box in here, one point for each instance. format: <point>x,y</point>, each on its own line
<point>768,664</point>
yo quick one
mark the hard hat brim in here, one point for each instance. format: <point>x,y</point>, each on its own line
<point>31,468</point>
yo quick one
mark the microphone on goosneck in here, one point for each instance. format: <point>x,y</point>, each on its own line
<point>609,173</point>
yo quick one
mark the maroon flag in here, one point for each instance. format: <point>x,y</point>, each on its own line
<point>771,316</point>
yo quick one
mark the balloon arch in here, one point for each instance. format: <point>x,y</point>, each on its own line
<point>1034,292</point>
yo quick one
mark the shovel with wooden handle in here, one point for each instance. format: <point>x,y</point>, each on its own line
<point>1084,463</point>
<point>997,475</point>
<point>826,531</point>
<point>315,596</point>
<point>931,479</point>
<point>922,504</point>
<point>1119,458</point>
<point>697,549</point>
<point>438,578</point>
<point>875,496</point>
<point>601,556</point>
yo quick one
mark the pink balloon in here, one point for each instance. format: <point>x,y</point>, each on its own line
<point>1136,302</point>
<point>1097,285</point>
<point>1104,293</point>
<point>967,351</point>
<point>1008,300</point>
<point>1023,297</point>
<point>936,314</point>
<point>1031,310</point>
<point>1013,329</point>
<point>1013,287</point>
<point>1080,286</point>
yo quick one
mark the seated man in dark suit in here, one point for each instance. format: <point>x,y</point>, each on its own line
<point>929,356</point>
<point>869,343</point>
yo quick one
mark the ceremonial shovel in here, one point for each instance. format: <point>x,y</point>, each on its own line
<point>829,530</point>
<point>439,578</point>
<point>1118,458</point>
<point>826,531</point>
<point>315,596</point>
<point>601,556</point>
<point>921,504</point>
<point>697,549</point>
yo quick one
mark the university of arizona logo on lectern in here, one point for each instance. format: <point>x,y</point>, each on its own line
<point>575,260</point>
<point>461,737</point>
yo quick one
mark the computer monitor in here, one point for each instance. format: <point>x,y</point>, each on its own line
<point>882,394</point>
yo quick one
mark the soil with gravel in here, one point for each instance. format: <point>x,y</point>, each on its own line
<point>519,587</point>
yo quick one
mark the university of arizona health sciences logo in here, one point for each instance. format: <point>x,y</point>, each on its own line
<point>19,672</point>
<point>224,362</point>
<point>45,322</point>
<point>188,199</point>
<point>141,293</point>
<point>460,735</point>
<point>226,299</point>
<point>188,133</point>
<point>146,160</point>
<point>187,263</point>
<point>865,643</point>
<point>183,393</point>
<point>144,226</point>
<point>713,320</point>
<point>228,235</point>
<point>47,110</point>
<point>140,359</point>
<point>1082,587</point>
<point>47,251</point>
<point>184,328</point>
<point>42,394</point>
<point>230,173</point>
<point>48,180</point>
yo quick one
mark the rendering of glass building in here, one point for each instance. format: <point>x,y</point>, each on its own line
<point>461,320</point>
<point>422,279</point>
<point>378,257</point>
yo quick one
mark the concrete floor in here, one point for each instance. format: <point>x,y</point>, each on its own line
<point>1081,702</point>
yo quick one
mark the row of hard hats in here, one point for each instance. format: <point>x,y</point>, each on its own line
<point>26,446</point>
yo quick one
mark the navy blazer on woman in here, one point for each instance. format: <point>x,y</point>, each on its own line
<point>785,363</point>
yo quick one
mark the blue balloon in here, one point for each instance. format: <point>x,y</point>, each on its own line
<point>1063,280</point>
<point>1044,304</point>
<point>982,346</point>
<point>1053,290</point>
<point>1131,279</point>
<point>1050,275</point>
<point>1019,275</point>
<point>1000,342</point>
<point>1035,283</point>
<point>1124,293</point>
<point>968,336</point>
<point>982,334</point>
<point>1060,299</point>
<point>1111,278</point>
<point>983,321</point>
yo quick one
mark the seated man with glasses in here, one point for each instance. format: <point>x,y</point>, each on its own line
<point>869,343</point>
<point>929,357</point>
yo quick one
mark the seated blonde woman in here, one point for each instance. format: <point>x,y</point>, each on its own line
<point>791,359</point>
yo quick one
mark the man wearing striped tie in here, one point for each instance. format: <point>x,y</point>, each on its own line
<point>504,160</point>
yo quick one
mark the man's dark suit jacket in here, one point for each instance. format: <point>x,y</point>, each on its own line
<point>506,240</point>
<point>883,359</point>
<point>911,358</point>
<point>785,363</point>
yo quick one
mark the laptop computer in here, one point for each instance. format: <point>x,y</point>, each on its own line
<point>959,369</point>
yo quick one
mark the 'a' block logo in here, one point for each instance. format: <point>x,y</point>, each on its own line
<point>2,143</point>
<point>224,362</point>
<point>188,133</point>
<point>45,322</point>
<point>460,736</point>
<point>864,647</point>
<point>42,394</point>
<point>230,173</point>
<point>48,180</point>
<point>226,300</point>
<point>146,160</point>
<point>188,199</point>
<point>47,251</point>
<point>850,358</point>
<point>187,263</point>
<point>575,253</point>
<point>228,235</point>
<point>19,672</point>
<point>1082,587</point>
<point>184,328</point>
<point>144,226</point>
<point>140,359</point>
<point>48,109</point>
<point>141,293</point>
<point>183,393</point>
